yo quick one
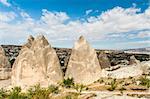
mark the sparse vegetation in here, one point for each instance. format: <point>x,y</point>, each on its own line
<point>3,93</point>
<point>36,92</point>
<point>113,85</point>
<point>15,93</point>
<point>100,80</point>
<point>68,83</point>
<point>79,87</point>
<point>122,89</point>
<point>145,81</point>
<point>53,89</point>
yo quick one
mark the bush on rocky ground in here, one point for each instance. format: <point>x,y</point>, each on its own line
<point>34,92</point>
<point>145,81</point>
<point>79,87</point>
<point>113,85</point>
<point>68,83</point>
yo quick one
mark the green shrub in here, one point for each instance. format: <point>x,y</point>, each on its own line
<point>113,85</point>
<point>15,93</point>
<point>53,89</point>
<point>68,83</point>
<point>36,92</point>
<point>3,93</point>
<point>145,81</point>
<point>79,87</point>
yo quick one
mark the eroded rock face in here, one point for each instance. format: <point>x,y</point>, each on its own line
<point>29,43</point>
<point>83,64</point>
<point>37,63</point>
<point>4,63</point>
<point>133,60</point>
<point>103,60</point>
<point>5,67</point>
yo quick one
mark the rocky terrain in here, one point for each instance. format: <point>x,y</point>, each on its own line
<point>138,50</point>
<point>80,73</point>
<point>115,57</point>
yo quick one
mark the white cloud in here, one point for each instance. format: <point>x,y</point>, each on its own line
<point>7,16</point>
<point>58,26</point>
<point>144,34</point>
<point>88,11</point>
<point>53,18</point>
<point>137,43</point>
<point>5,2</point>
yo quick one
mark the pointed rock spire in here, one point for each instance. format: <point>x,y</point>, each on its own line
<point>83,64</point>
<point>40,42</point>
<point>29,43</point>
<point>133,60</point>
<point>37,64</point>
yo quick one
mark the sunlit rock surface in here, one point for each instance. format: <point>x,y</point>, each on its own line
<point>133,60</point>
<point>103,60</point>
<point>83,64</point>
<point>37,63</point>
<point>4,63</point>
<point>5,67</point>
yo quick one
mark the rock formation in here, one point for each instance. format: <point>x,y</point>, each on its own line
<point>133,60</point>
<point>5,67</point>
<point>103,60</point>
<point>83,64</point>
<point>4,63</point>
<point>29,43</point>
<point>37,63</point>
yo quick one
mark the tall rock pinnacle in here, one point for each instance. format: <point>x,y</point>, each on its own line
<point>37,64</point>
<point>83,65</point>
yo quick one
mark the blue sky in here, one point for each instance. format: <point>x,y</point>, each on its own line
<point>106,24</point>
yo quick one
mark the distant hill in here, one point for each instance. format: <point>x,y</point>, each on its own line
<point>138,50</point>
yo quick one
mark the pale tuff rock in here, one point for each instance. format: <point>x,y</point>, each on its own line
<point>126,71</point>
<point>145,67</point>
<point>5,67</point>
<point>4,63</point>
<point>83,65</point>
<point>103,60</point>
<point>29,43</point>
<point>123,72</point>
<point>133,60</point>
<point>37,63</point>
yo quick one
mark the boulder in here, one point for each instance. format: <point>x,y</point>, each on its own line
<point>103,60</point>
<point>133,60</point>
<point>37,63</point>
<point>83,65</point>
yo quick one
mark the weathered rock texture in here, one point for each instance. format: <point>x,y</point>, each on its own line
<point>4,63</point>
<point>37,63</point>
<point>5,67</point>
<point>83,64</point>
<point>103,60</point>
<point>133,60</point>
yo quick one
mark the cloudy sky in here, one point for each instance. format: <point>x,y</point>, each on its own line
<point>106,24</point>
